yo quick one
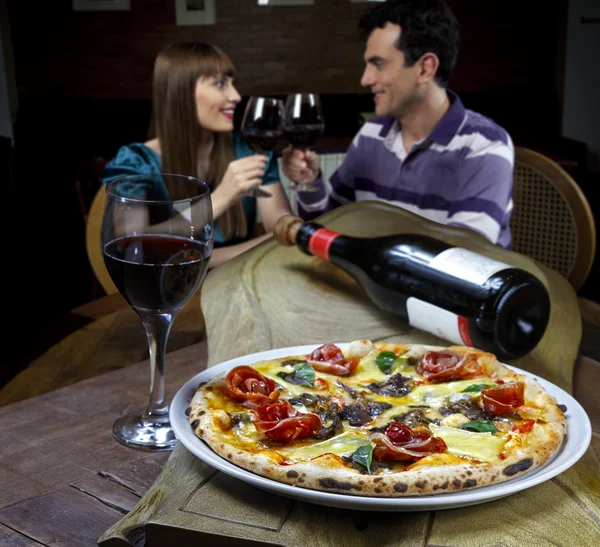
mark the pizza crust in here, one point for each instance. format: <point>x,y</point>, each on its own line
<point>431,475</point>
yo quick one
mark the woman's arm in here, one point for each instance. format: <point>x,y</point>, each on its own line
<point>223,254</point>
<point>271,209</point>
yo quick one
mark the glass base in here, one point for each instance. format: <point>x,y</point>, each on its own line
<point>304,187</point>
<point>144,433</point>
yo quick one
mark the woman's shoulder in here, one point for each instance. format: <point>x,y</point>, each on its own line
<point>136,153</point>
<point>134,158</point>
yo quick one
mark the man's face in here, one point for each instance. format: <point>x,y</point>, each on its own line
<point>394,86</point>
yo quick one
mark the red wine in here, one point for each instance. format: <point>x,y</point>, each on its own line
<point>451,292</point>
<point>262,141</point>
<point>303,136</point>
<point>156,273</point>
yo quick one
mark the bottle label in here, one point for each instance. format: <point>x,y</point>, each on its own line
<point>320,242</point>
<point>467,265</point>
<point>438,321</point>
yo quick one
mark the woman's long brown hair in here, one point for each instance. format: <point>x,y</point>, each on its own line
<point>175,120</point>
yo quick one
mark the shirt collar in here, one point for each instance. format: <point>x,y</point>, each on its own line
<point>448,126</point>
<point>442,133</point>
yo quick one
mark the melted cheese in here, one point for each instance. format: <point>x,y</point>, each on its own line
<point>271,369</point>
<point>386,416</point>
<point>480,446</point>
<point>368,371</point>
<point>342,444</point>
<point>435,395</point>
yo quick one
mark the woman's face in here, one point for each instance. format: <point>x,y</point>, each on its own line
<point>216,99</point>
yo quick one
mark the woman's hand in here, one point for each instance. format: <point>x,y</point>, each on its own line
<point>241,176</point>
<point>300,165</point>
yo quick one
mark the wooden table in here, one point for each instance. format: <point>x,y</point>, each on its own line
<point>65,480</point>
<point>112,337</point>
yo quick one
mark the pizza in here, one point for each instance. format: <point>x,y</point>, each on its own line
<point>376,419</point>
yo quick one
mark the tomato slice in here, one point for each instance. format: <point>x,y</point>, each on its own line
<point>246,384</point>
<point>503,399</point>
<point>281,422</point>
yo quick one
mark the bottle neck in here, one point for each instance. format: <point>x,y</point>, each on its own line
<point>315,240</point>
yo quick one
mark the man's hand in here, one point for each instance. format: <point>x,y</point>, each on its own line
<point>300,165</point>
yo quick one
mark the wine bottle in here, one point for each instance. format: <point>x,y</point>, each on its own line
<point>452,292</point>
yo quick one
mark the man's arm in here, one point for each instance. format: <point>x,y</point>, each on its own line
<point>485,200</point>
<point>339,190</point>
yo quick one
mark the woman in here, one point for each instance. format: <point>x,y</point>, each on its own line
<point>194,100</point>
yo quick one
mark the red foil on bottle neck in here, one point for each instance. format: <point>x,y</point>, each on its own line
<point>463,329</point>
<point>320,242</point>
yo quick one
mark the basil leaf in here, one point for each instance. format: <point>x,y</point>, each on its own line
<point>363,455</point>
<point>476,388</point>
<point>306,373</point>
<point>388,361</point>
<point>303,375</point>
<point>480,426</point>
<point>385,360</point>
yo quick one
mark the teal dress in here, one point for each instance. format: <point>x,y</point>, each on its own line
<point>138,159</point>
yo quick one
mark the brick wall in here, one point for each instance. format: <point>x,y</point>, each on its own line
<point>58,52</point>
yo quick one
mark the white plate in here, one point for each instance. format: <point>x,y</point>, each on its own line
<point>577,440</point>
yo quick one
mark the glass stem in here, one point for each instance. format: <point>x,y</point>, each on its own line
<point>157,330</point>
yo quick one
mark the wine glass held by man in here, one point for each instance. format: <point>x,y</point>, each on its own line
<point>303,124</point>
<point>423,151</point>
<point>192,130</point>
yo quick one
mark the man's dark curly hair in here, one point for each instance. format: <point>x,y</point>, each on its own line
<point>426,26</point>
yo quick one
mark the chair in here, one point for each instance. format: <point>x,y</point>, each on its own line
<point>552,221</point>
<point>93,227</point>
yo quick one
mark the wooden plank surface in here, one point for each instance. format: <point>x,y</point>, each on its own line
<point>115,340</point>
<point>10,538</point>
<point>64,479</point>
<point>64,516</point>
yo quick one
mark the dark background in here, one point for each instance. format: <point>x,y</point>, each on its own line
<point>83,82</point>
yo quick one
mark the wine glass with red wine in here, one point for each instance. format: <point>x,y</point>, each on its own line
<point>303,124</point>
<point>262,126</point>
<point>157,237</point>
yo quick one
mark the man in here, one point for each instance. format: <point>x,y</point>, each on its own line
<point>423,151</point>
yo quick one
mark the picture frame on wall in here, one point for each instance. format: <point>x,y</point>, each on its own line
<point>285,2</point>
<point>195,12</point>
<point>101,5</point>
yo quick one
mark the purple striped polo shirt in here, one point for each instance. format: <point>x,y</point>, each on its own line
<point>461,174</point>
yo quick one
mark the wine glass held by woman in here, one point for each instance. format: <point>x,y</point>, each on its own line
<point>192,130</point>
<point>262,127</point>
